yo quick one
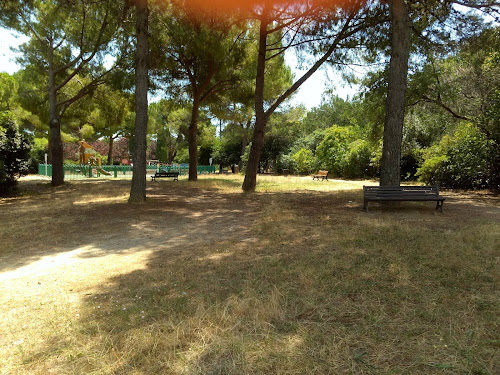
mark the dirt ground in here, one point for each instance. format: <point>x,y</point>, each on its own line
<point>99,240</point>
<point>101,237</point>
<point>58,246</point>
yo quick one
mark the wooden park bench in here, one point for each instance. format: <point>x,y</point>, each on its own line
<point>162,174</point>
<point>322,174</point>
<point>402,193</point>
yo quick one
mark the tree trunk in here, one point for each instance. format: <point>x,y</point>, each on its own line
<point>250,181</point>
<point>138,188</point>
<point>193,140</point>
<point>390,172</point>
<point>110,151</point>
<point>55,142</point>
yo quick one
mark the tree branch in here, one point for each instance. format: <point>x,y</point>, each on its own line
<point>86,60</point>
<point>444,106</point>
<point>341,35</point>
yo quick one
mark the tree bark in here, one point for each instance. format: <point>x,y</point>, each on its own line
<point>55,143</point>
<point>110,151</point>
<point>390,172</point>
<point>250,181</point>
<point>138,188</point>
<point>193,140</point>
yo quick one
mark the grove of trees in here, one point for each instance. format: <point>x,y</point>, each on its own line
<point>188,81</point>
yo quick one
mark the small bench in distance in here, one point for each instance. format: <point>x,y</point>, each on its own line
<point>162,174</point>
<point>402,193</point>
<point>322,174</point>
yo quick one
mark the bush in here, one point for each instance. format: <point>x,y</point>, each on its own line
<point>332,151</point>
<point>358,161</point>
<point>410,162</point>
<point>286,163</point>
<point>304,161</point>
<point>15,150</point>
<point>38,154</point>
<point>227,152</point>
<point>464,160</point>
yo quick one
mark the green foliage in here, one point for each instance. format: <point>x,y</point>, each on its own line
<point>358,160</point>
<point>335,111</point>
<point>170,125</point>
<point>8,91</point>
<point>15,150</point>
<point>304,161</point>
<point>245,156</point>
<point>332,151</point>
<point>206,141</point>
<point>228,152</point>
<point>182,156</point>
<point>463,160</point>
<point>275,144</point>
<point>285,163</point>
<point>37,155</point>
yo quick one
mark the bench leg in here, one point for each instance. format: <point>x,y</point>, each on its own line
<point>440,205</point>
<point>365,206</point>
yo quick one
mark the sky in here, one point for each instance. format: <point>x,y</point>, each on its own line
<point>310,93</point>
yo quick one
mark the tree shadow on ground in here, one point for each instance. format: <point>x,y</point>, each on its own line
<point>302,282</point>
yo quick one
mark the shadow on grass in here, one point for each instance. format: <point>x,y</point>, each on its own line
<point>300,282</point>
<point>72,218</point>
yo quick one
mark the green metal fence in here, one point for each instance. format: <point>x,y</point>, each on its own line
<point>116,171</point>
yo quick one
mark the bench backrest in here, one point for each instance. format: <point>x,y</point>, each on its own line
<point>322,173</point>
<point>406,191</point>
<point>167,174</point>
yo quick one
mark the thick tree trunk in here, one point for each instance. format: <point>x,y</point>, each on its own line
<point>193,141</point>
<point>390,173</point>
<point>110,151</point>
<point>250,181</point>
<point>138,188</point>
<point>55,142</point>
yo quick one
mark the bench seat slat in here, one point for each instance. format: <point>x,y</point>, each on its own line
<point>402,193</point>
<point>161,174</point>
<point>322,174</point>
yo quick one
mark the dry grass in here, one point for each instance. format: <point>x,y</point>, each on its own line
<point>203,279</point>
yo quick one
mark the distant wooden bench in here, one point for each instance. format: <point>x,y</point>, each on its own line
<point>162,174</point>
<point>322,174</point>
<point>402,193</point>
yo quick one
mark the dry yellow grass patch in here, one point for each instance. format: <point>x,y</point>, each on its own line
<point>203,279</point>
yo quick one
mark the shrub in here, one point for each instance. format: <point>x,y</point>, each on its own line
<point>38,152</point>
<point>332,151</point>
<point>285,163</point>
<point>464,160</point>
<point>304,161</point>
<point>433,170</point>
<point>358,160</point>
<point>410,162</point>
<point>15,150</point>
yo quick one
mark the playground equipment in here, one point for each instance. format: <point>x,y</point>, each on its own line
<point>86,152</point>
<point>87,156</point>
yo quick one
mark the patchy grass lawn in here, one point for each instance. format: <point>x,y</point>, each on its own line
<point>204,279</point>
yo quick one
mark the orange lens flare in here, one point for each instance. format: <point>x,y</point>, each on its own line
<point>241,6</point>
